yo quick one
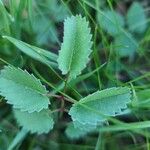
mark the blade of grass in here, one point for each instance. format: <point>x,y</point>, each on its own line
<point>18,139</point>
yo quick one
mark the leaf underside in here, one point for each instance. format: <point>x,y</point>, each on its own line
<point>23,90</point>
<point>76,46</point>
<point>36,122</point>
<point>97,107</point>
<point>85,127</point>
<point>74,133</point>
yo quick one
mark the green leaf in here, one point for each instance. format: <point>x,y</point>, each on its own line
<point>111,22</point>
<point>76,46</point>
<point>136,18</point>
<point>125,45</point>
<point>23,90</point>
<point>56,9</point>
<point>86,127</point>
<point>36,122</point>
<point>74,133</point>
<point>45,30</point>
<point>95,108</point>
<point>39,54</point>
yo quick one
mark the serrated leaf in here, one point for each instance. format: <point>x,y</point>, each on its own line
<point>76,46</point>
<point>36,122</point>
<point>125,45</point>
<point>22,90</point>
<point>39,54</point>
<point>95,108</point>
<point>136,18</point>
<point>111,22</point>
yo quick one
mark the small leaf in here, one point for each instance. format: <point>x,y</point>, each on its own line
<point>95,108</point>
<point>76,46</point>
<point>36,122</point>
<point>111,22</point>
<point>74,133</point>
<point>39,54</point>
<point>125,45</point>
<point>136,18</point>
<point>22,90</point>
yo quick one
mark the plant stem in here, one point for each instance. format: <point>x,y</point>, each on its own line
<point>62,97</point>
<point>51,85</point>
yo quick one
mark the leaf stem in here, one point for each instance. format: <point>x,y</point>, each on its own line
<point>59,97</point>
<point>51,85</point>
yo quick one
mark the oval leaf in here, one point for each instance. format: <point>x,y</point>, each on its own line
<point>76,46</point>
<point>136,18</point>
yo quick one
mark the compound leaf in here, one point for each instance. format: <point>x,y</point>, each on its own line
<point>36,122</point>
<point>22,90</point>
<point>136,18</point>
<point>76,46</point>
<point>95,108</point>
